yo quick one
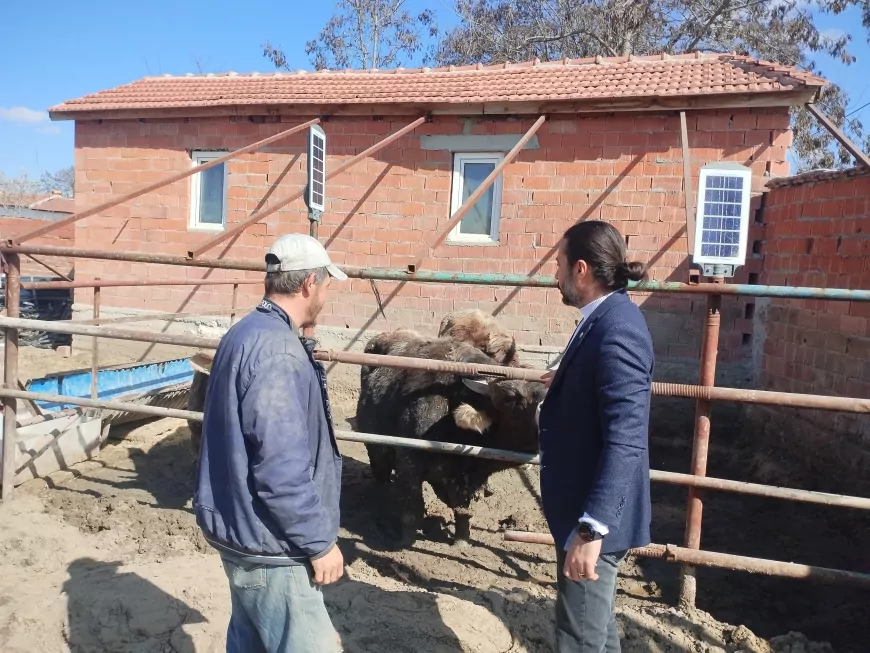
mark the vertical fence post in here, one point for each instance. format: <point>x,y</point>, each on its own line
<point>95,360</point>
<point>701,443</point>
<point>234,303</point>
<point>308,332</point>
<point>10,377</point>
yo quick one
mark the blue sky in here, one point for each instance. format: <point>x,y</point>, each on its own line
<point>89,46</point>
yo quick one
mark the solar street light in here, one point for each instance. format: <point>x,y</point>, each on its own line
<point>315,190</point>
<point>722,219</point>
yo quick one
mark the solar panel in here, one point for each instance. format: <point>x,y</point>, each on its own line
<point>316,168</point>
<point>720,233</point>
<point>722,218</point>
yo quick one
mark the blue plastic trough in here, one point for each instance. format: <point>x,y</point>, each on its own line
<point>159,383</point>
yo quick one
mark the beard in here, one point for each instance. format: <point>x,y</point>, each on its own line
<point>313,311</point>
<point>570,295</point>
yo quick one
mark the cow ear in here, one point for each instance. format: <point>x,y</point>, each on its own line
<point>480,387</point>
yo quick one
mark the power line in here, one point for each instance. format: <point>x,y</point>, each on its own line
<point>858,109</point>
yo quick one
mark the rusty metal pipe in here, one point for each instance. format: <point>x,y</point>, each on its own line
<point>95,347</point>
<point>156,316</point>
<point>701,443</point>
<point>429,276</point>
<point>133,283</point>
<point>48,267</point>
<point>121,406</point>
<point>259,215</point>
<point>673,553</point>
<point>10,378</point>
<point>171,179</point>
<point>839,404</point>
<point>519,458</point>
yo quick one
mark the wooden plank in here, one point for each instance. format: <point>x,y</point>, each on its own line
<point>835,131</point>
<point>171,179</point>
<point>269,210</point>
<point>687,183</point>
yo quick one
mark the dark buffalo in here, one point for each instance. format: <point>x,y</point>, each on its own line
<point>483,331</point>
<point>446,408</point>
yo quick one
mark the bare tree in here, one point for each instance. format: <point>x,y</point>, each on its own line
<point>22,190</point>
<point>784,31</point>
<point>364,34</point>
<point>63,180</point>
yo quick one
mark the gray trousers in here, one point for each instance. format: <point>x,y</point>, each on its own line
<point>586,611</point>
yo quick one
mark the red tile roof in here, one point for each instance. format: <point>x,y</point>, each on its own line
<point>42,201</point>
<point>818,176</point>
<point>575,80</point>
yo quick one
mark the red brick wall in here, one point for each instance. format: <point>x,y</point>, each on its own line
<point>624,169</point>
<point>64,237</point>
<point>818,234</point>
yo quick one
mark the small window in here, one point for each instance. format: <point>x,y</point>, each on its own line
<point>208,193</point>
<point>480,224</point>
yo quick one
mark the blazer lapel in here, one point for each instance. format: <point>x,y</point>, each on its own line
<point>587,325</point>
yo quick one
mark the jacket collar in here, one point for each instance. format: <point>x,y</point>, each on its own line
<point>271,308</point>
<point>616,298</point>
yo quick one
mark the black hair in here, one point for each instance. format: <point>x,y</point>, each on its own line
<point>602,247</point>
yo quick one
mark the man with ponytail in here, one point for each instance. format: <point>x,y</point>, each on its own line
<point>594,426</point>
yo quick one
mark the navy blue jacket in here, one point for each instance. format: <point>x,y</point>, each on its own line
<point>594,426</point>
<point>269,474</point>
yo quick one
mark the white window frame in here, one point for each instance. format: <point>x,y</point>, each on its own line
<point>198,157</point>
<point>459,161</point>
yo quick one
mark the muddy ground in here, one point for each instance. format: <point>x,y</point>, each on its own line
<point>108,558</point>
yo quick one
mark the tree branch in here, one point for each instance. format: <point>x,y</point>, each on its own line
<point>576,32</point>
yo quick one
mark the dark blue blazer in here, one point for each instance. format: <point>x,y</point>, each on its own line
<point>594,426</point>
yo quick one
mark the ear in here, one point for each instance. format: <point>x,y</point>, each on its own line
<point>469,418</point>
<point>480,387</point>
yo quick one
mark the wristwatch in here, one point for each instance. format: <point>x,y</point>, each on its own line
<point>587,533</point>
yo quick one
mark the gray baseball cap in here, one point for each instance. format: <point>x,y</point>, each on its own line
<point>300,252</point>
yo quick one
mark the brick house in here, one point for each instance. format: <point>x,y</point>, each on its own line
<point>20,214</point>
<point>610,149</point>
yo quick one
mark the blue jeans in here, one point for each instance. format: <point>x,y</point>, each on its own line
<point>277,610</point>
<point>586,610</point>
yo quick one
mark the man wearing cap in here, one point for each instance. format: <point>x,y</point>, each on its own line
<point>269,473</point>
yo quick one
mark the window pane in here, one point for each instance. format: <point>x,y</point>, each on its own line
<point>211,195</point>
<point>479,219</point>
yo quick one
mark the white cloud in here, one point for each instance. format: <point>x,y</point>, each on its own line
<point>22,114</point>
<point>49,129</point>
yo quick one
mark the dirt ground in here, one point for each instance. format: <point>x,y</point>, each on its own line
<point>108,558</point>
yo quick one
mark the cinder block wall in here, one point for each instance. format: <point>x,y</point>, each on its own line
<point>63,237</point>
<point>386,210</point>
<point>817,234</point>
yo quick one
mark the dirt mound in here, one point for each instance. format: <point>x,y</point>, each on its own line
<point>109,558</point>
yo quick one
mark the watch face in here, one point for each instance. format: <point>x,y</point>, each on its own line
<point>585,532</point>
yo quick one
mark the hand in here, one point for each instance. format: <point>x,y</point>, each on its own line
<point>581,559</point>
<point>328,568</point>
<point>547,378</point>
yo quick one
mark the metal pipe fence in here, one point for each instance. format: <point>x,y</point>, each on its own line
<point>704,393</point>
<point>685,391</point>
<point>427,276</point>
